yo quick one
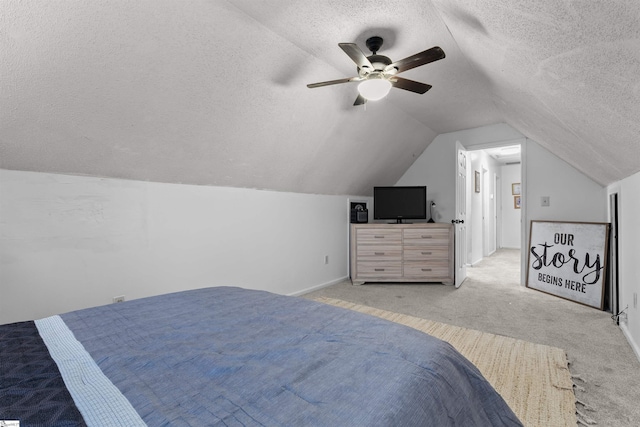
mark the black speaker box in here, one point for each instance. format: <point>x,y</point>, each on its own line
<point>359,216</point>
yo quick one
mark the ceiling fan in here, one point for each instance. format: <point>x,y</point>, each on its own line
<point>377,74</point>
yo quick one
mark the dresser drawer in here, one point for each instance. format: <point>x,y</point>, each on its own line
<point>427,270</point>
<point>379,253</point>
<point>426,253</point>
<point>426,236</point>
<point>382,270</point>
<point>380,236</point>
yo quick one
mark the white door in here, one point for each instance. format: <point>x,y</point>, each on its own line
<point>461,215</point>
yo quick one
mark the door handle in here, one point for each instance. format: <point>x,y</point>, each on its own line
<point>457,221</point>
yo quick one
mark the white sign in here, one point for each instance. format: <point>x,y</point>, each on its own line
<point>568,259</point>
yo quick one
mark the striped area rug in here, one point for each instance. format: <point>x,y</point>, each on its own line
<point>533,379</point>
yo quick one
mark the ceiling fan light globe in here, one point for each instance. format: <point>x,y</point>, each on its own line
<point>374,89</point>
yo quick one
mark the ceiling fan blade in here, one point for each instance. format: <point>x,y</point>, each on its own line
<point>334,82</point>
<point>410,85</point>
<point>360,100</point>
<point>356,55</point>
<point>413,61</point>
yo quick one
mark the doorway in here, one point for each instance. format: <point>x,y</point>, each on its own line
<point>493,209</point>
<point>611,302</point>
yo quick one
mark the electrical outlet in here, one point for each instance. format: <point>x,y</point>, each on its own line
<point>118,299</point>
<point>545,201</point>
<point>326,259</point>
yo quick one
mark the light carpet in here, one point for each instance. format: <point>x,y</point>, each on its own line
<point>533,379</point>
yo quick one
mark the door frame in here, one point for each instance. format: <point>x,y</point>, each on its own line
<point>614,219</point>
<point>523,194</point>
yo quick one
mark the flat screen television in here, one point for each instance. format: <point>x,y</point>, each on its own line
<point>400,203</point>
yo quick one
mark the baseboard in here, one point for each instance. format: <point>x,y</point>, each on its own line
<point>316,287</point>
<point>632,343</point>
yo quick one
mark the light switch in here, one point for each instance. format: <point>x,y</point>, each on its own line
<point>544,201</point>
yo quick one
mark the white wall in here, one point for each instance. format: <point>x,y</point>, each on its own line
<point>574,197</point>
<point>511,218</point>
<point>628,249</point>
<point>69,242</point>
<point>435,167</point>
<point>434,171</point>
<point>480,205</point>
<point>474,208</point>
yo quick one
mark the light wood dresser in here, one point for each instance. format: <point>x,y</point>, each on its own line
<point>421,252</point>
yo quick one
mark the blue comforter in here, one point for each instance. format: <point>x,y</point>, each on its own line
<point>234,357</point>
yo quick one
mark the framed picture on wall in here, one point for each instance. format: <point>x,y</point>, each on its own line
<point>477,182</point>
<point>515,188</point>
<point>516,202</point>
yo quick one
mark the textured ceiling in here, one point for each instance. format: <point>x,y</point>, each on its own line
<point>214,92</point>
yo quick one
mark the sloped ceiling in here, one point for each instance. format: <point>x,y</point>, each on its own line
<point>214,92</point>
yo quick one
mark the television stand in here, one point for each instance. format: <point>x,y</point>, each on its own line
<point>420,252</point>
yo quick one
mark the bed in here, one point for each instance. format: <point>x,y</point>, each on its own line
<point>227,356</point>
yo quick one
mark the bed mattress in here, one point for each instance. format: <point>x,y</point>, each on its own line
<point>227,356</point>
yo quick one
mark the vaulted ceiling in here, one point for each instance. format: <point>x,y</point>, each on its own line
<point>213,92</point>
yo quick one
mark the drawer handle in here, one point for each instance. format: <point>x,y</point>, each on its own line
<point>379,269</point>
<point>379,253</point>
<point>426,253</point>
<point>426,269</point>
<point>378,237</point>
<point>427,237</point>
